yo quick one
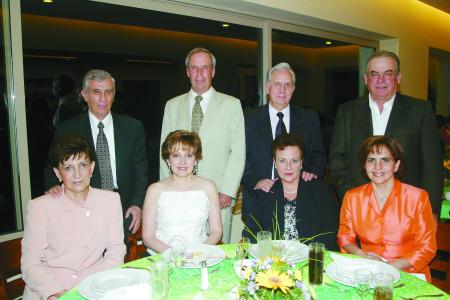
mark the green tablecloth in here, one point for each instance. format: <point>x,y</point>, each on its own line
<point>445,210</point>
<point>185,283</point>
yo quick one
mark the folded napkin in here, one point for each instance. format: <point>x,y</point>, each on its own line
<point>133,292</point>
<point>347,266</point>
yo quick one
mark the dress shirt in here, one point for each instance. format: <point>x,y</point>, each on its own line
<point>109,132</point>
<point>380,119</point>
<point>404,228</point>
<point>65,242</point>
<point>203,104</point>
<point>274,118</point>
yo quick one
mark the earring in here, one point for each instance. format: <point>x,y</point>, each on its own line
<point>170,169</point>
<point>195,170</point>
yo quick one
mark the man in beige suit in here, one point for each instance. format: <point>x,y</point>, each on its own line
<point>219,121</point>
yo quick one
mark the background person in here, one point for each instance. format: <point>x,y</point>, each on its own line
<point>390,219</point>
<point>78,233</point>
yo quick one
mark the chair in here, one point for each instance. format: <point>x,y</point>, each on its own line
<point>441,262</point>
<point>135,247</point>
<point>11,283</point>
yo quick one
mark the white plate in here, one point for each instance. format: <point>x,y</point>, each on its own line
<point>211,253</point>
<point>96,285</point>
<point>332,272</point>
<point>294,251</point>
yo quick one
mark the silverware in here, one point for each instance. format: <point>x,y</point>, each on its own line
<point>138,268</point>
<point>341,289</point>
<point>399,285</point>
<point>423,296</point>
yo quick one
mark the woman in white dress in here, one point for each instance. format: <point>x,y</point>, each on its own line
<point>182,204</point>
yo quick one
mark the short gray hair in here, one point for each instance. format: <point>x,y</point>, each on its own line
<point>98,75</point>
<point>281,66</point>
<point>384,53</point>
<point>200,50</point>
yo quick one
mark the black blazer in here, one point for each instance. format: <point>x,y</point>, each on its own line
<point>316,210</point>
<point>412,123</point>
<point>131,157</point>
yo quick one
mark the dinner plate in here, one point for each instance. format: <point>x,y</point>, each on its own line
<point>95,286</point>
<point>332,271</point>
<point>197,254</point>
<point>294,251</point>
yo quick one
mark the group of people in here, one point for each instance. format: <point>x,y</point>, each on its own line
<point>208,148</point>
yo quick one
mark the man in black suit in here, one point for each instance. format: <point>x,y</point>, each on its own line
<point>125,139</point>
<point>386,112</point>
<point>266,122</point>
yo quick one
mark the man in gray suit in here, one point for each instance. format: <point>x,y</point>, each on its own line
<point>386,112</point>
<point>219,121</point>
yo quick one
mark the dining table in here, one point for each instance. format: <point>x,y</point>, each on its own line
<point>185,283</point>
<point>445,210</point>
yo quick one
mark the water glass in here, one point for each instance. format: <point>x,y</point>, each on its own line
<point>177,246</point>
<point>264,241</point>
<point>363,279</point>
<point>243,248</point>
<point>383,286</point>
<point>316,262</point>
<point>159,280</point>
<point>278,249</point>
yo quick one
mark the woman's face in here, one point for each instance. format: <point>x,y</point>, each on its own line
<point>288,163</point>
<point>75,173</point>
<point>181,161</point>
<point>380,167</point>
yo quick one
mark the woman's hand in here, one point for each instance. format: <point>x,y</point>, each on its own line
<point>371,255</point>
<point>401,263</point>
<point>57,295</point>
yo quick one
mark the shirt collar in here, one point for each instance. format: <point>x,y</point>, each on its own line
<point>107,121</point>
<point>68,205</point>
<point>273,112</point>
<point>386,105</point>
<point>206,96</point>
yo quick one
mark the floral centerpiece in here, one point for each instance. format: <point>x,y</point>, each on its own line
<point>272,278</point>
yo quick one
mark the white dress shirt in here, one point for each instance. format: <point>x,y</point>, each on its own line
<point>109,132</point>
<point>274,121</point>
<point>203,104</point>
<point>380,119</point>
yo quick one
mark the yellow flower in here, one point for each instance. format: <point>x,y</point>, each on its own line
<point>273,279</point>
<point>447,164</point>
<point>298,275</point>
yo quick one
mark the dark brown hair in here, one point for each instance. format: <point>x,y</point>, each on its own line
<point>186,139</point>
<point>287,139</point>
<point>67,146</point>
<point>375,144</point>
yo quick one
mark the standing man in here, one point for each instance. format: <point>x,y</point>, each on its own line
<point>266,122</point>
<point>219,121</point>
<point>119,143</point>
<point>386,112</point>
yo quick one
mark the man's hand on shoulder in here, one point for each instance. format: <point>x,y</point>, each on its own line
<point>135,212</point>
<point>265,184</point>
<point>55,191</point>
<point>308,176</point>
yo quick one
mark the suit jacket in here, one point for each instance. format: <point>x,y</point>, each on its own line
<point>222,135</point>
<point>316,209</point>
<point>259,138</point>
<point>411,122</point>
<point>131,157</point>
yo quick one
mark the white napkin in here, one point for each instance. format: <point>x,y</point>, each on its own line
<point>133,292</point>
<point>346,266</point>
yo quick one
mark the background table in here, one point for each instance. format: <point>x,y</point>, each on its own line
<point>445,211</point>
<point>185,283</point>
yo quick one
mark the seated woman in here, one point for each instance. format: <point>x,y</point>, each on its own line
<point>301,209</point>
<point>69,237</point>
<point>182,204</point>
<point>390,220</point>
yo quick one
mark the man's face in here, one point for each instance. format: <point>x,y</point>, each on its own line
<point>200,72</point>
<point>382,78</point>
<point>99,97</point>
<point>280,89</point>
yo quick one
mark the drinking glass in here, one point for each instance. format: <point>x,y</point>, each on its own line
<point>177,246</point>
<point>264,241</point>
<point>243,248</point>
<point>383,286</point>
<point>363,278</point>
<point>278,249</point>
<point>159,280</point>
<point>316,262</point>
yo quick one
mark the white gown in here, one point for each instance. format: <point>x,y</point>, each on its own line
<point>182,213</point>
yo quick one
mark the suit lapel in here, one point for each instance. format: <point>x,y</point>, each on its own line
<point>265,128</point>
<point>364,117</point>
<point>119,144</point>
<point>85,130</point>
<point>396,117</point>
<point>211,111</point>
<point>185,118</point>
<point>296,123</point>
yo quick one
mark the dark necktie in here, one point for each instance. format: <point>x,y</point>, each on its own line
<point>104,160</point>
<point>197,115</point>
<point>281,128</point>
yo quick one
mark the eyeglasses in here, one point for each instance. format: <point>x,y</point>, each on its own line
<point>385,161</point>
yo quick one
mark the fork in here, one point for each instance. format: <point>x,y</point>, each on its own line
<point>422,296</point>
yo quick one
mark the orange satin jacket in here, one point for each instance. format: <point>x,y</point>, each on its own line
<point>404,228</point>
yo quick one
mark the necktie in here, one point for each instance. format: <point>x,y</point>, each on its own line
<point>197,115</point>
<point>104,161</point>
<point>281,128</point>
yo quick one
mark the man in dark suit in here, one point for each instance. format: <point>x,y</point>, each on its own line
<point>266,122</point>
<point>386,112</point>
<point>125,138</point>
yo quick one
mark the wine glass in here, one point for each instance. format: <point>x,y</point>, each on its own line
<point>243,248</point>
<point>363,278</point>
<point>177,246</point>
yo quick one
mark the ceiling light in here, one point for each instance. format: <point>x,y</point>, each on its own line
<point>328,42</point>
<point>47,1</point>
<point>225,25</point>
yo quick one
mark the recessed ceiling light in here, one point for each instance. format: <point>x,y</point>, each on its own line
<point>225,25</point>
<point>328,42</point>
<point>47,1</point>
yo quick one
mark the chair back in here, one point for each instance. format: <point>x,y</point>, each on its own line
<point>135,246</point>
<point>11,283</point>
<point>440,266</point>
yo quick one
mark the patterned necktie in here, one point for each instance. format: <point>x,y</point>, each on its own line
<point>197,115</point>
<point>281,128</point>
<point>104,161</point>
